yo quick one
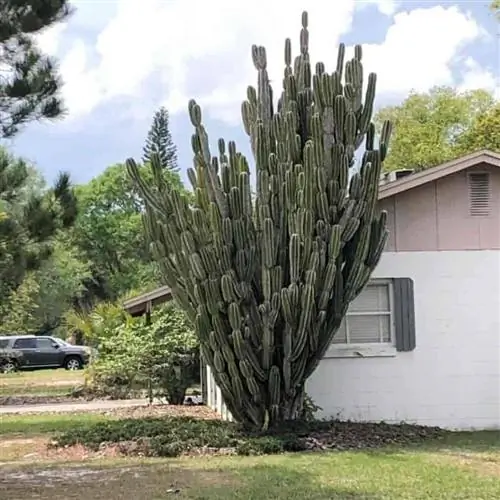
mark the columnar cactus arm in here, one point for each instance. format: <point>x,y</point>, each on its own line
<point>267,281</point>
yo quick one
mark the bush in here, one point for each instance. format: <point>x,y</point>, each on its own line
<point>173,436</point>
<point>162,357</point>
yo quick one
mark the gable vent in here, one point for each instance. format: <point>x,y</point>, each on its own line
<point>479,194</point>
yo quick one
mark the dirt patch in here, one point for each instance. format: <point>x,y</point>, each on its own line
<point>139,482</point>
<point>155,410</point>
<point>199,412</point>
<point>20,450</point>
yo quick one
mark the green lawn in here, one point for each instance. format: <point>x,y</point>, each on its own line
<point>37,424</point>
<point>40,382</point>
<point>41,376</point>
<point>460,466</point>
<point>384,475</point>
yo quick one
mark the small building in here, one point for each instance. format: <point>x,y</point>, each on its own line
<point>421,343</point>
<point>426,352</point>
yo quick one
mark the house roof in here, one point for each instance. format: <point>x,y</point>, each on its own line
<point>432,174</point>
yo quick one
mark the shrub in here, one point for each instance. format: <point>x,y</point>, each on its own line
<point>162,357</point>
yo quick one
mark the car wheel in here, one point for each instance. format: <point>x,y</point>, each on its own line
<point>8,367</point>
<point>73,364</point>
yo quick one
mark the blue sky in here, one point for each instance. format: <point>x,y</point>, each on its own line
<point>122,59</point>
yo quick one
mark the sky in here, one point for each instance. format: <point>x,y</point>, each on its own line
<point>121,60</point>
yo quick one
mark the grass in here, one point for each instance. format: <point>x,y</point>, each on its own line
<point>35,377</point>
<point>37,424</point>
<point>385,475</point>
<point>39,382</point>
<point>35,390</point>
<point>458,466</point>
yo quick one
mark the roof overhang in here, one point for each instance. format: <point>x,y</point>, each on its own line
<point>435,173</point>
<point>143,303</point>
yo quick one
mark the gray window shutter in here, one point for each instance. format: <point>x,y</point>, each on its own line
<point>404,314</point>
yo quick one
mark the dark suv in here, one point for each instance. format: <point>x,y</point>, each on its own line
<point>22,352</point>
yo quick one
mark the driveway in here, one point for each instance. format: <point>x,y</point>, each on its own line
<point>73,407</point>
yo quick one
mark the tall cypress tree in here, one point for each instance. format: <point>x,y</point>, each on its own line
<point>30,88</point>
<point>159,141</point>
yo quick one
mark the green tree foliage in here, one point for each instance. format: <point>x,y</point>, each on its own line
<point>46,293</point>
<point>484,133</point>
<point>30,81</point>
<point>108,232</point>
<point>429,127</point>
<point>163,355</point>
<point>268,281</point>
<point>30,218</point>
<point>160,141</point>
<point>97,325</point>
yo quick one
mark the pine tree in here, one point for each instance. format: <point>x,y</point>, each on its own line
<point>160,141</point>
<point>30,85</point>
<point>30,217</point>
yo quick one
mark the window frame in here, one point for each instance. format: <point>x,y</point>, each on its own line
<point>369,349</point>
<point>39,340</point>
<point>21,339</point>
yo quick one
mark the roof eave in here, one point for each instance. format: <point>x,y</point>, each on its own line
<point>435,173</point>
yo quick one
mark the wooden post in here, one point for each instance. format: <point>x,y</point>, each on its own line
<point>148,324</point>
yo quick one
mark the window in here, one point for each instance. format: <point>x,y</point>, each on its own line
<point>369,319</point>
<point>4,343</point>
<point>45,344</point>
<point>479,194</point>
<point>27,343</point>
<point>379,322</point>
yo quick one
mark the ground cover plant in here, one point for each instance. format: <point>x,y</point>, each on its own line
<point>176,436</point>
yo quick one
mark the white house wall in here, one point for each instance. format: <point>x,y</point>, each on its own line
<point>452,378</point>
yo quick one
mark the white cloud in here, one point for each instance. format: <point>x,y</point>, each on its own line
<point>417,52</point>
<point>386,7</point>
<point>49,39</point>
<point>476,77</point>
<point>203,48</point>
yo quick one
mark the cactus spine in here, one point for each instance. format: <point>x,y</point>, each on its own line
<point>268,280</point>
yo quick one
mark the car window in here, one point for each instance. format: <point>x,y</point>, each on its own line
<point>4,343</point>
<point>24,344</point>
<point>61,342</point>
<point>45,343</point>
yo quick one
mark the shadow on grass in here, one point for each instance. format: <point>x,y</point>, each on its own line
<point>279,481</point>
<point>240,480</point>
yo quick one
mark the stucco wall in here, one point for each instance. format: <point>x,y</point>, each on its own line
<point>452,378</point>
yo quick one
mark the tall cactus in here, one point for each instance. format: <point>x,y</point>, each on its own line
<point>267,279</point>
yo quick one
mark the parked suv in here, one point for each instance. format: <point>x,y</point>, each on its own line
<point>30,352</point>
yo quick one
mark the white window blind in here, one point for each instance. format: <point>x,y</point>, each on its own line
<point>369,318</point>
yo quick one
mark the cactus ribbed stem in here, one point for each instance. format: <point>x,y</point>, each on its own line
<point>267,279</point>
